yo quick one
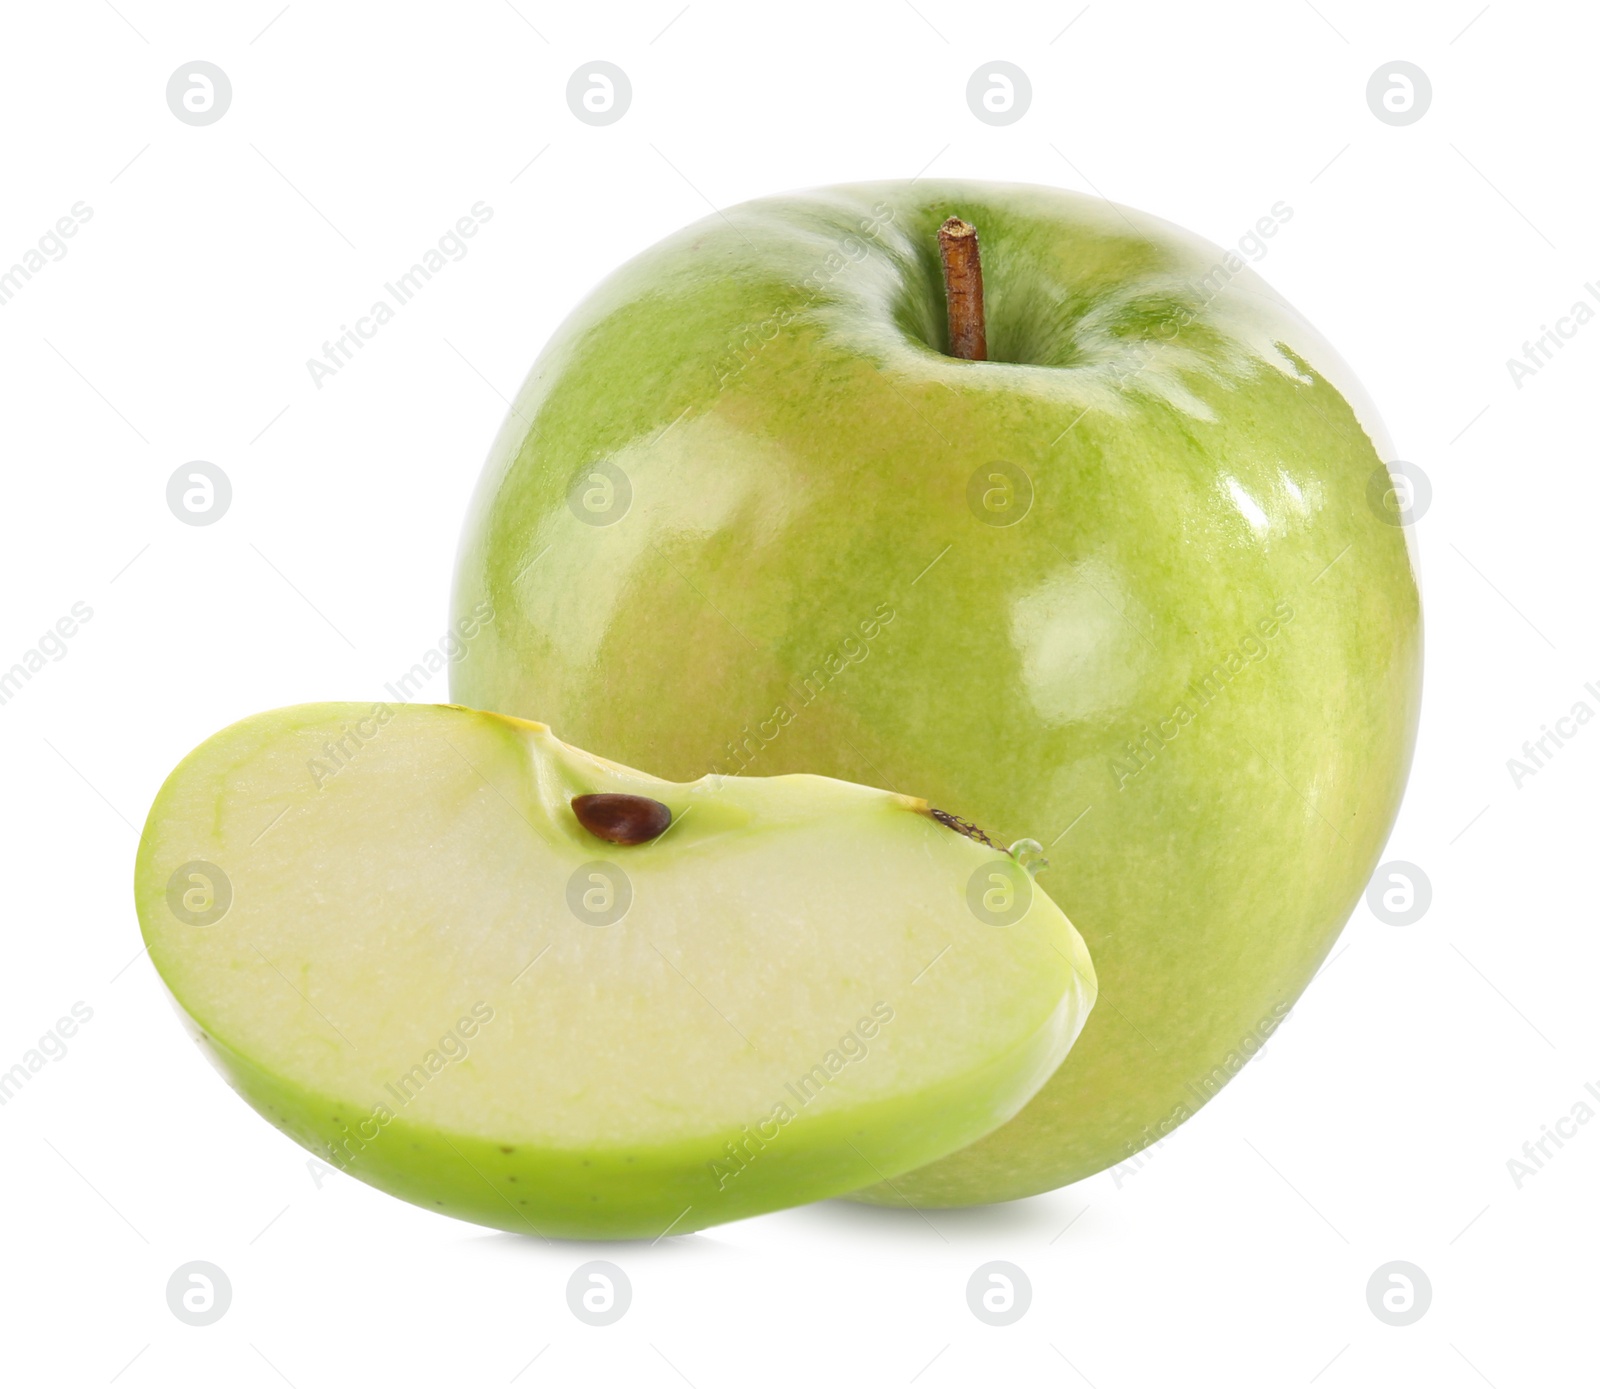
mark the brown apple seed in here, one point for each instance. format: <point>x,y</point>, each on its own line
<point>622,819</point>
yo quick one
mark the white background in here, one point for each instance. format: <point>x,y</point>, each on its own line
<point>1379,1122</point>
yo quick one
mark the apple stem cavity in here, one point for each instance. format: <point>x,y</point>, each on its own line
<point>963,289</point>
<point>621,819</point>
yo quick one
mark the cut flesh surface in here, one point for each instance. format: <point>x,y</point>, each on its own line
<point>391,932</point>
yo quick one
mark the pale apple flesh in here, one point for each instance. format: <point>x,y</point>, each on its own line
<point>1191,666</point>
<point>422,975</point>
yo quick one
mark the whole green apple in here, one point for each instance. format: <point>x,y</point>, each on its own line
<point>1127,587</point>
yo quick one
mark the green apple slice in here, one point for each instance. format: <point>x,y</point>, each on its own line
<point>676,1005</point>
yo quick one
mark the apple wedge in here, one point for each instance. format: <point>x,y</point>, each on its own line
<point>505,979</point>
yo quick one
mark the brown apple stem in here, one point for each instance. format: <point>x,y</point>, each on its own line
<point>963,289</point>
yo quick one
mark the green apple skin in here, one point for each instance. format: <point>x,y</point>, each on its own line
<point>1190,665</point>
